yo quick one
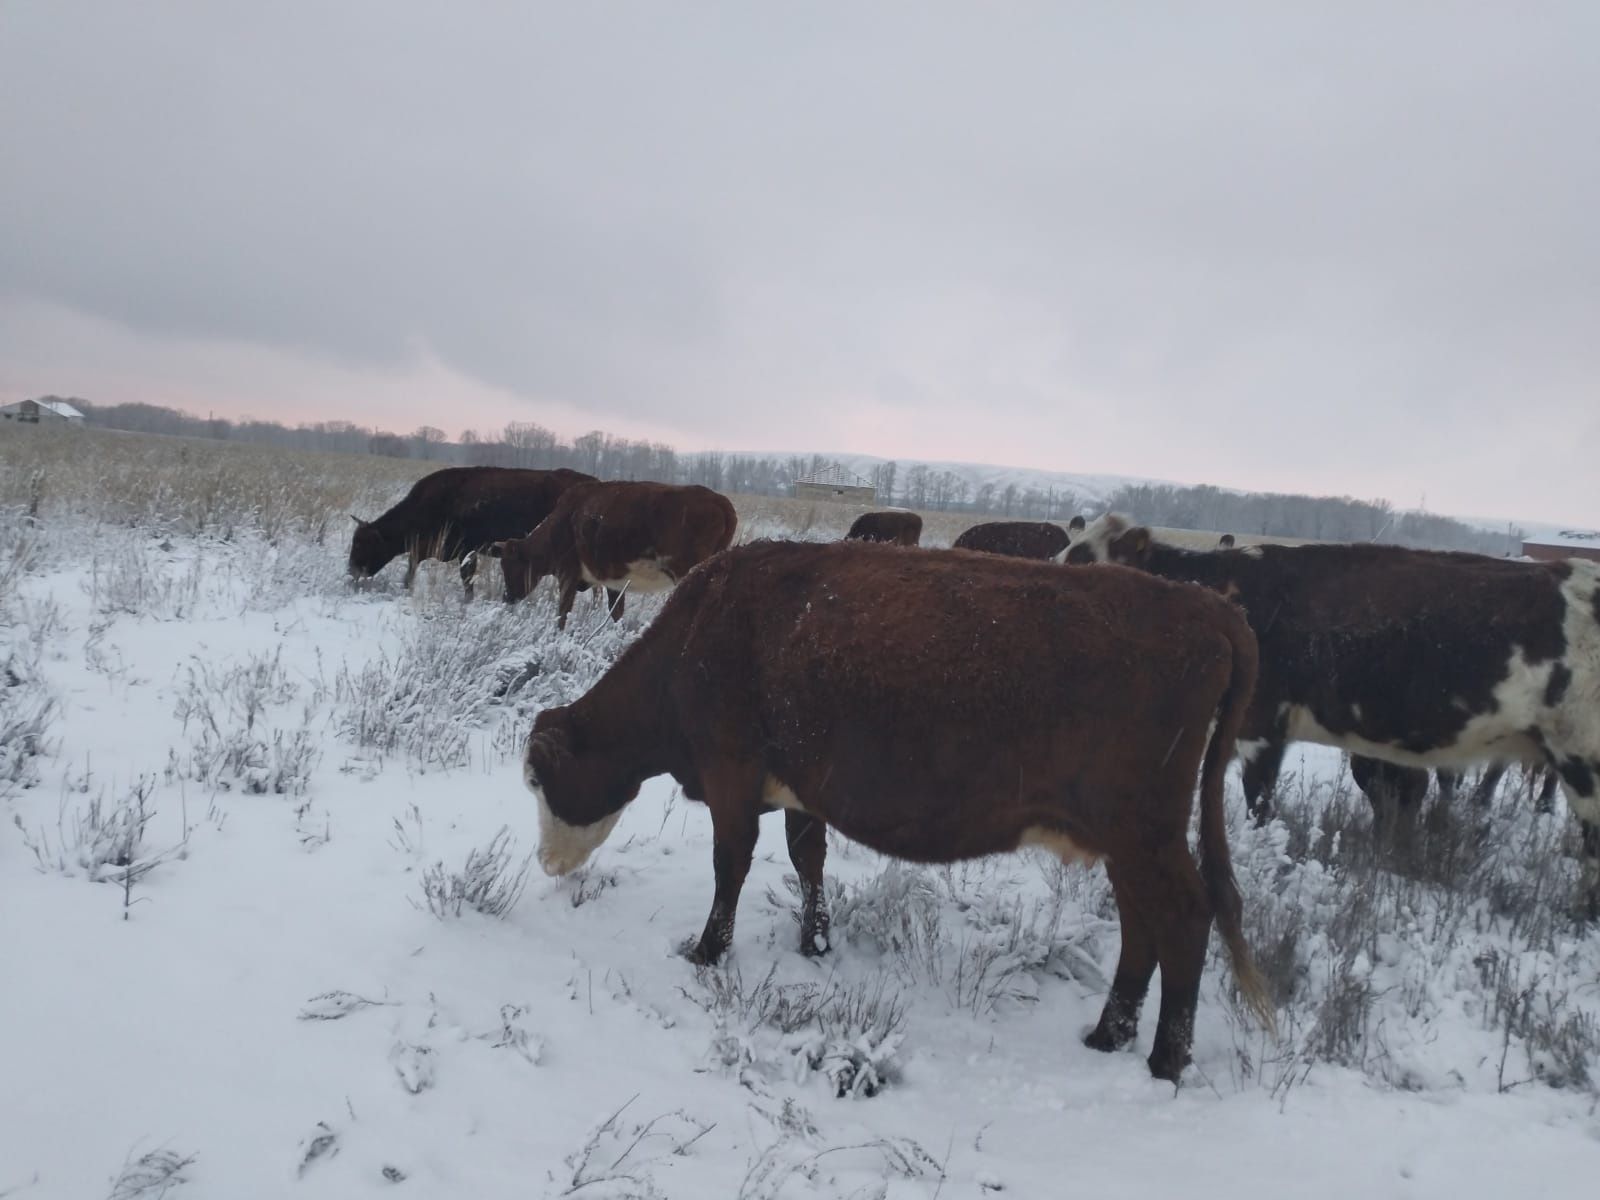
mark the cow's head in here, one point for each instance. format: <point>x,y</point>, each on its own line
<point>581,791</point>
<point>1111,538</point>
<point>523,562</point>
<point>370,549</point>
<point>1225,542</point>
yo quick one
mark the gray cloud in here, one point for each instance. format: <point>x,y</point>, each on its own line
<point>1255,244</point>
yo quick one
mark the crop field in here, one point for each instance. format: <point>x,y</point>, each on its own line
<point>269,922</point>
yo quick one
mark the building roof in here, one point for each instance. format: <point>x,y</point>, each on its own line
<point>1580,539</point>
<point>60,407</point>
<point>835,476</point>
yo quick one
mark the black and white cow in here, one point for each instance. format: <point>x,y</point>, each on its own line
<point>1419,658</point>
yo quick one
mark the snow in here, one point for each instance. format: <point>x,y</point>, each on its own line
<point>279,1002</point>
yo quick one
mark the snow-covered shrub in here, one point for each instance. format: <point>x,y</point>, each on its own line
<point>228,712</point>
<point>491,881</point>
<point>151,1176</point>
<point>1370,937</point>
<point>969,931</point>
<point>144,578</point>
<point>850,1034</point>
<point>100,841</point>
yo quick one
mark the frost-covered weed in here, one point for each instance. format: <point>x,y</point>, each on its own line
<point>455,670</point>
<point>151,1176</point>
<point>135,578</point>
<point>27,710</point>
<point>882,1160</point>
<point>969,932</point>
<point>491,881</point>
<point>619,1157</point>
<point>1371,937</point>
<point>849,1034</point>
<point>228,713</point>
<point>99,841</point>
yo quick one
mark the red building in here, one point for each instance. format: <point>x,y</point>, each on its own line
<point>1569,543</point>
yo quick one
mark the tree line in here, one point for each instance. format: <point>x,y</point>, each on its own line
<point>917,485</point>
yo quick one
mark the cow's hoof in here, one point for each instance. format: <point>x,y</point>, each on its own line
<point>1105,1040</point>
<point>1168,1067</point>
<point>698,953</point>
<point>815,945</point>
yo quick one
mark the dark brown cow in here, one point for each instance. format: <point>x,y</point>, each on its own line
<point>1418,657</point>
<point>934,712</point>
<point>455,511</point>
<point>895,525</point>
<point>618,536</point>
<point>1042,540</point>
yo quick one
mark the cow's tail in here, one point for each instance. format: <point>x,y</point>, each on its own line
<point>730,516</point>
<point>1216,866</point>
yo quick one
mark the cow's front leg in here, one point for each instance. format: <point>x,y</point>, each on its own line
<point>734,799</point>
<point>569,593</point>
<point>808,849</point>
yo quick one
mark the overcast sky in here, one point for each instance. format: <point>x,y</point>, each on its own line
<point>1329,247</point>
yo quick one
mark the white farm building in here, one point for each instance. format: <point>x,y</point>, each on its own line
<point>41,412</point>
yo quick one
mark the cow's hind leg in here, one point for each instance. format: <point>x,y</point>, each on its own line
<point>808,850</point>
<point>1181,924</point>
<point>734,796</point>
<point>1119,1020</point>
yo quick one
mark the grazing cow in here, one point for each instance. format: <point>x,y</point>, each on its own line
<point>1016,539</point>
<point>455,511</point>
<point>1422,658</point>
<point>934,713</point>
<point>644,536</point>
<point>895,525</point>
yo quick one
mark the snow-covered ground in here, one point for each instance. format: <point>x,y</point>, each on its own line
<point>291,995</point>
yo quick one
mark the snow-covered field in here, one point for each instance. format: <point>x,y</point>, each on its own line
<point>243,952</point>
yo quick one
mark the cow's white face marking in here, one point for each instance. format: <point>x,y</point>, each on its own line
<point>563,848</point>
<point>1097,535</point>
<point>641,575</point>
<point>1059,844</point>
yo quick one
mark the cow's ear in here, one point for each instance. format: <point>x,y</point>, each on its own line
<point>547,749</point>
<point>357,520</point>
<point>1132,547</point>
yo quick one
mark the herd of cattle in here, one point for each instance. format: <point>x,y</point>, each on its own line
<point>937,705</point>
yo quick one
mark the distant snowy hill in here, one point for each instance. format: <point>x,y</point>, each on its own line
<point>1091,488</point>
<point>1096,489</point>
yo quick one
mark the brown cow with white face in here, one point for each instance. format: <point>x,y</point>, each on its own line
<point>642,537</point>
<point>897,525</point>
<point>1421,658</point>
<point>934,713</point>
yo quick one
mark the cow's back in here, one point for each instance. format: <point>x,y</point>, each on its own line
<point>839,667</point>
<point>1015,539</point>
